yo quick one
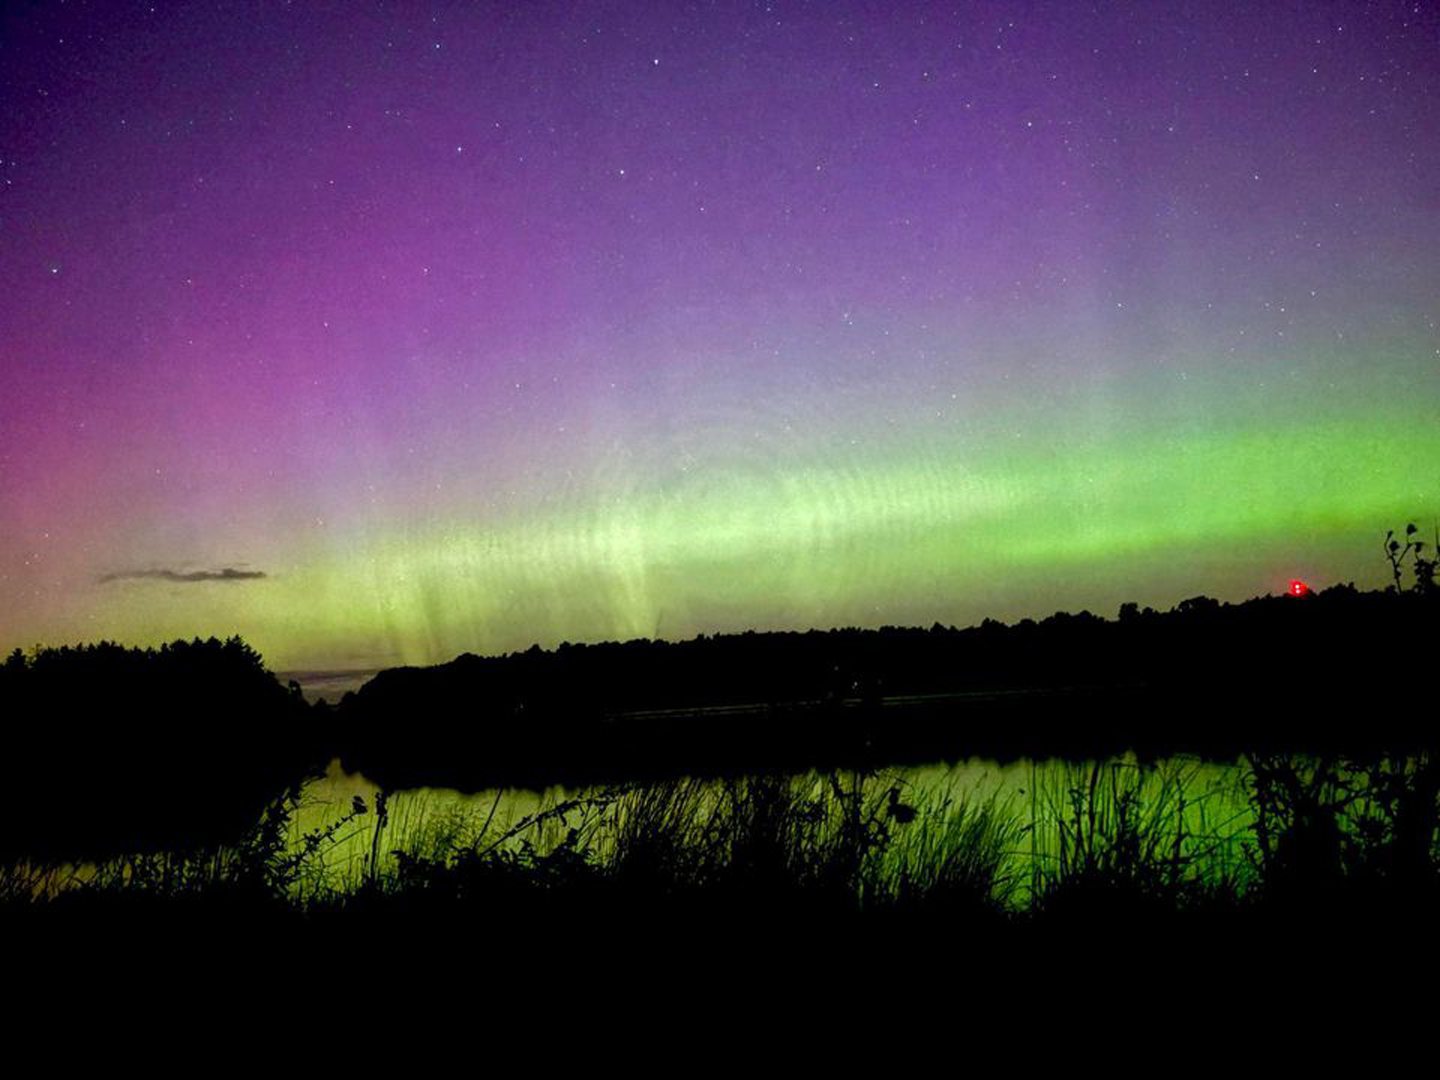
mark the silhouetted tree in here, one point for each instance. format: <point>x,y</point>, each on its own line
<point>105,748</point>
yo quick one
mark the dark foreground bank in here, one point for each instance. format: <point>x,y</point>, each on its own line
<point>1341,852</point>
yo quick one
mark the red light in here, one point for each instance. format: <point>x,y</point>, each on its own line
<point>1299,588</point>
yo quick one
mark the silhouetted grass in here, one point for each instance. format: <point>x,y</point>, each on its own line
<point>1131,841</point>
<point>1113,843</point>
<point>1347,834</point>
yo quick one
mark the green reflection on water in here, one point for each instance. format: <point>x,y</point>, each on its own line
<point>1196,812</point>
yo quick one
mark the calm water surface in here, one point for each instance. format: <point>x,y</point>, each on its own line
<point>1211,795</point>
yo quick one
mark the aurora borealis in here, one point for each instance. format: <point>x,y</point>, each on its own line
<point>376,333</point>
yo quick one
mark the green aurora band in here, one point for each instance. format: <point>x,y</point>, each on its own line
<point>923,537</point>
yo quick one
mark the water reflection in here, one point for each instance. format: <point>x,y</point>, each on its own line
<point>1203,805</point>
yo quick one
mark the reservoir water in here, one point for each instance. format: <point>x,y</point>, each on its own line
<point>1203,806</point>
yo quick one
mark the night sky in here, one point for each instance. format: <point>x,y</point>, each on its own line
<point>377,333</point>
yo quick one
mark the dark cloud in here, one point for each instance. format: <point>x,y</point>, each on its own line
<point>228,573</point>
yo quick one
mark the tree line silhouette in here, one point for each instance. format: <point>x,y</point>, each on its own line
<point>1326,669</point>
<point>107,748</point>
